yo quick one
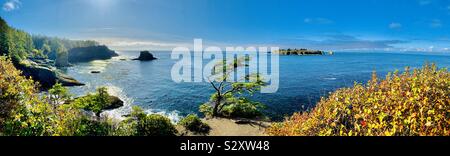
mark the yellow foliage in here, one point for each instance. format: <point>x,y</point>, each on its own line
<point>23,112</point>
<point>13,88</point>
<point>413,103</point>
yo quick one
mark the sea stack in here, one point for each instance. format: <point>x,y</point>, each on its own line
<point>145,56</point>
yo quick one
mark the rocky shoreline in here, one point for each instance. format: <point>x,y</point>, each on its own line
<point>46,72</point>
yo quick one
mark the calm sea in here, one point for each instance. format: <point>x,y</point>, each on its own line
<point>303,80</point>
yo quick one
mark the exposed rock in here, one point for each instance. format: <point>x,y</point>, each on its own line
<point>45,74</point>
<point>300,52</point>
<point>115,103</point>
<point>62,60</point>
<point>230,127</point>
<point>145,56</point>
<point>86,54</point>
<point>95,72</point>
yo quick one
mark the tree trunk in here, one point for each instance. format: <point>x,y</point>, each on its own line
<point>216,106</point>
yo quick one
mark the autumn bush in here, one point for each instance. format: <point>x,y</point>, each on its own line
<point>413,103</point>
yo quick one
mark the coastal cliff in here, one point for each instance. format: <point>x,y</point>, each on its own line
<point>47,75</point>
<point>91,53</point>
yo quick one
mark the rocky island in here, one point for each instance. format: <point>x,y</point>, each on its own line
<point>145,56</point>
<point>44,72</point>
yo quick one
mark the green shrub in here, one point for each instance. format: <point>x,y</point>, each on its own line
<point>23,112</point>
<point>194,123</point>
<point>206,109</point>
<point>243,108</point>
<point>94,102</point>
<point>141,124</point>
<point>236,108</point>
<point>410,104</point>
<point>14,88</point>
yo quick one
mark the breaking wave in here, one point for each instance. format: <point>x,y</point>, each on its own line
<point>119,113</point>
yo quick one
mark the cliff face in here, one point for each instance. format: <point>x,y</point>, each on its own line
<point>86,54</point>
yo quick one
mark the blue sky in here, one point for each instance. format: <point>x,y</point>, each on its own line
<point>388,25</point>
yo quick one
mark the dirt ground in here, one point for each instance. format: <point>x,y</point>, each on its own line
<point>230,127</point>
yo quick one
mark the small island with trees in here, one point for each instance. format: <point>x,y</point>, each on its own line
<point>302,51</point>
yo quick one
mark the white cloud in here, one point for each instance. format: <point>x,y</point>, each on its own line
<point>395,25</point>
<point>133,44</point>
<point>11,5</point>
<point>317,21</point>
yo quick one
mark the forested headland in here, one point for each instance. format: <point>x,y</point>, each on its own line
<point>39,56</point>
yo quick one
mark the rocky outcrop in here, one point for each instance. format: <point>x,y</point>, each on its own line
<point>46,74</point>
<point>62,60</point>
<point>300,52</point>
<point>86,54</point>
<point>145,56</point>
<point>114,103</point>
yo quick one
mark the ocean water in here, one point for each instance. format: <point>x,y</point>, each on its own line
<point>303,80</point>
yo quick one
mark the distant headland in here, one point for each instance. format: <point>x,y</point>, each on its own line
<point>303,52</point>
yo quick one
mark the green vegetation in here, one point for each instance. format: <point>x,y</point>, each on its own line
<point>194,124</point>
<point>19,45</point>
<point>94,102</point>
<point>14,43</point>
<point>141,124</point>
<point>23,112</point>
<point>300,52</point>
<point>57,48</point>
<point>58,94</point>
<point>243,108</point>
<point>413,103</point>
<point>230,99</point>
